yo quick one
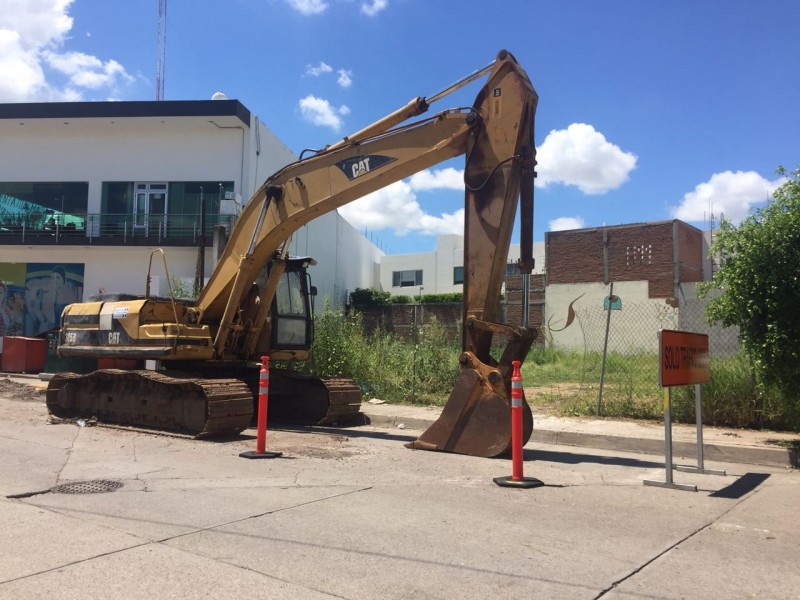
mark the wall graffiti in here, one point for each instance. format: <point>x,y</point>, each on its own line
<point>33,295</point>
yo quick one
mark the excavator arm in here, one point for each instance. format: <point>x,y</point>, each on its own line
<point>496,137</point>
<point>305,190</point>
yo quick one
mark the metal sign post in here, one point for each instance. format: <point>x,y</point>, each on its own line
<point>668,482</point>
<point>700,468</point>
<point>682,360</point>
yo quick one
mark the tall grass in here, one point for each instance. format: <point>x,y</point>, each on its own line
<point>423,368</point>
<point>420,370</point>
<point>734,397</point>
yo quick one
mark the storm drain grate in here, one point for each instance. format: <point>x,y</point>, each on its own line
<point>96,486</point>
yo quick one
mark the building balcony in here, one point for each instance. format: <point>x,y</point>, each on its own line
<point>109,229</point>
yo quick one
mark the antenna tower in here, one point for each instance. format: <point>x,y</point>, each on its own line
<point>161,50</point>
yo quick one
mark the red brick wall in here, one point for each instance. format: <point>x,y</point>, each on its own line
<point>690,252</point>
<point>513,302</point>
<point>641,252</point>
<point>574,256</point>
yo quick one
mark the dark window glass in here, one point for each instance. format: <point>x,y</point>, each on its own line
<point>406,278</point>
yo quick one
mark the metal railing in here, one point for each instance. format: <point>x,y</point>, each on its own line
<point>108,228</point>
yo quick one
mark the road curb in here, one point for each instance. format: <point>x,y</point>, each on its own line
<point>774,457</point>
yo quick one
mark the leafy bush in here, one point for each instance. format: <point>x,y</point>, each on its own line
<point>760,287</point>
<point>368,297</point>
<point>454,297</point>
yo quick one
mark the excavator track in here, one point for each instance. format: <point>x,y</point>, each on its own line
<point>152,399</point>
<point>313,400</point>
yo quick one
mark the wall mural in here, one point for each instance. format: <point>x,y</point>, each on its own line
<point>32,296</point>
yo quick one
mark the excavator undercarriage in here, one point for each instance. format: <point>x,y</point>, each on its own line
<point>199,406</point>
<point>153,399</point>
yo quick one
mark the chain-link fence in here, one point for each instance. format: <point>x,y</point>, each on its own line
<point>620,355</point>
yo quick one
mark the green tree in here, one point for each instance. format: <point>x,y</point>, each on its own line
<point>759,281</point>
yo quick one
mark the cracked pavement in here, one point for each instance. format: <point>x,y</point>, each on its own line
<point>352,513</point>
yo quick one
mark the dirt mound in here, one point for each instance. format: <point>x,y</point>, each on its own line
<point>13,390</point>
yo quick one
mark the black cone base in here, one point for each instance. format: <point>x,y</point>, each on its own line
<point>254,454</point>
<point>525,482</point>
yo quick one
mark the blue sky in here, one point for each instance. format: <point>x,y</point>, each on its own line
<point>647,111</point>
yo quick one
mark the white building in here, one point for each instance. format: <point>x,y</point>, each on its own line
<point>89,189</point>
<point>440,271</point>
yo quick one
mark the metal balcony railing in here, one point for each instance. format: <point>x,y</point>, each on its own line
<point>109,228</point>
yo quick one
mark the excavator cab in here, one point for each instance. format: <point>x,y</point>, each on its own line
<point>292,311</point>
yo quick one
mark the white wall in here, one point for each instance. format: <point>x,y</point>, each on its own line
<point>437,266</point>
<point>267,154</point>
<point>588,298</point>
<point>95,150</point>
<point>115,268</point>
<point>345,259</point>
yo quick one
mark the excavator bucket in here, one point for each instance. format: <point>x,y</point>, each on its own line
<point>477,417</point>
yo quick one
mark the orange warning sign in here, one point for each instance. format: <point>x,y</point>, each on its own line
<point>682,358</point>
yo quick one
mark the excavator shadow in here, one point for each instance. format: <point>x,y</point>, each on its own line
<point>346,430</point>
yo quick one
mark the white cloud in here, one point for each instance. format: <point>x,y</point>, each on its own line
<point>565,223</point>
<point>38,23</point>
<point>32,35</point>
<point>373,7</point>
<point>581,156</point>
<point>87,71</point>
<point>396,207</point>
<point>320,69</point>
<point>21,75</point>
<point>727,193</point>
<point>345,78</point>
<point>441,179</point>
<point>308,7</point>
<point>320,112</point>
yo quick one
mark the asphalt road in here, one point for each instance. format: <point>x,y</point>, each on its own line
<point>352,513</point>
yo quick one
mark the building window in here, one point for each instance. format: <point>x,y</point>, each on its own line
<point>512,268</point>
<point>406,278</point>
<point>40,205</point>
<point>184,203</point>
<point>458,275</point>
<point>166,209</point>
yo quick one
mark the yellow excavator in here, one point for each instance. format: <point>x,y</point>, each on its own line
<point>258,300</point>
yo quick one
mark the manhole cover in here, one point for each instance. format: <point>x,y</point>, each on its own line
<point>96,486</point>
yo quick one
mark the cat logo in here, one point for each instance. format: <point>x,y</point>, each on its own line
<point>358,166</point>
